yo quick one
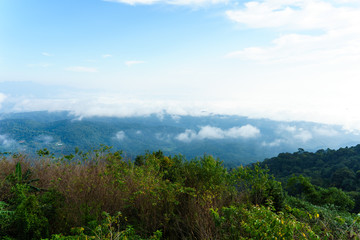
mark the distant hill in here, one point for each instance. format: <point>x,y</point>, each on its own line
<point>327,168</point>
<point>234,139</point>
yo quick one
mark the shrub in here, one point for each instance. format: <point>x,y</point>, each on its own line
<point>256,186</point>
<point>259,222</point>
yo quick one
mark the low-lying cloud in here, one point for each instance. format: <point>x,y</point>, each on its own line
<point>2,98</point>
<point>46,139</point>
<point>303,135</point>
<point>209,132</point>
<point>298,133</point>
<point>275,143</point>
<point>6,141</point>
<point>163,137</point>
<point>105,104</point>
<point>120,135</point>
<point>325,131</point>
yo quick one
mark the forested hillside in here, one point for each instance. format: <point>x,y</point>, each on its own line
<point>323,168</point>
<point>327,168</point>
<point>234,139</point>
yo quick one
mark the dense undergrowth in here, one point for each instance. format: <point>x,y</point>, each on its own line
<point>100,195</point>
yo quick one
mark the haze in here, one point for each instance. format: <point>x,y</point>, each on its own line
<point>277,59</point>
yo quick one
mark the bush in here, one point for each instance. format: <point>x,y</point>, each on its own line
<point>256,186</point>
<point>259,222</point>
<point>301,187</point>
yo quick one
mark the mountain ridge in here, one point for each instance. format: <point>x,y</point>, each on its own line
<point>234,139</point>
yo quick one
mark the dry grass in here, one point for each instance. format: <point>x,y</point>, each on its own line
<point>141,193</point>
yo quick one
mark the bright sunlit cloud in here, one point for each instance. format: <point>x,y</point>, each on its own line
<point>210,132</point>
<point>335,37</point>
<point>295,15</point>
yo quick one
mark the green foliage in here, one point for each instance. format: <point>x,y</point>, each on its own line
<point>17,177</point>
<point>111,229</point>
<point>326,221</point>
<point>29,221</point>
<point>259,222</point>
<point>162,197</point>
<point>257,186</point>
<point>44,152</point>
<point>6,218</point>
<point>326,168</point>
<point>301,187</point>
<point>26,214</point>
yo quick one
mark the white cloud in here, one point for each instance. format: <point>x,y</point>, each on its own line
<point>81,69</point>
<point>308,56</point>
<point>6,141</point>
<point>334,37</point>
<point>162,136</point>
<point>120,135</point>
<point>295,15</point>
<point>275,143</point>
<point>133,62</point>
<point>46,54</point>
<point>303,135</point>
<point>106,56</point>
<point>247,131</point>
<point>46,139</point>
<point>288,128</point>
<point>170,2</point>
<point>176,118</point>
<point>44,65</point>
<point>125,105</point>
<point>209,132</point>
<point>2,98</point>
<point>325,131</point>
<point>187,136</point>
<point>297,133</point>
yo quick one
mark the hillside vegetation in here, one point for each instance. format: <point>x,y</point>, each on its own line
<point>324,168</point>
<point>101,195</point>
<point>234,139</point>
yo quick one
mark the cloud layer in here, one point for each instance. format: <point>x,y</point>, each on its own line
<point>295,15</point>
<point>312,30</point>
<point>2,98</point>
<point>209,132</point>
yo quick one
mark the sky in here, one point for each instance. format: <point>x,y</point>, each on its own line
<point>278,59</point>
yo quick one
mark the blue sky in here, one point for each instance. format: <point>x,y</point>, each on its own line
<point>279,59</point>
